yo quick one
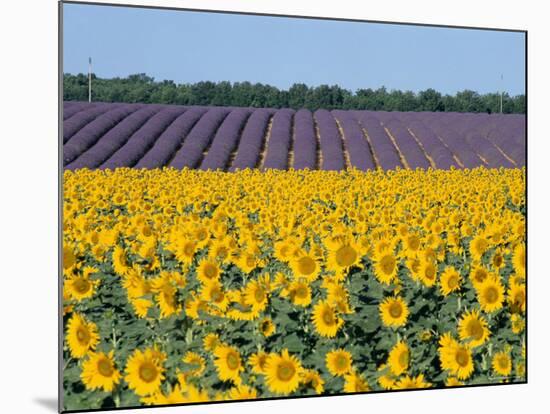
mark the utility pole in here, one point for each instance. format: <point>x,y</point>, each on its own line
<point>501,90</point>
<point>90,80</point>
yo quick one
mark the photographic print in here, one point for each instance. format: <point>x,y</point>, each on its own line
<point>259,207</point>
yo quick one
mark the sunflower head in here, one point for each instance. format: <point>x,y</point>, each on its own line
<point>283,373</point>
<point>82,336</point>
<point>99,372</point>
<point>354,382</point>
<point>266,326</point>
<point>450,280</point>
<point>490,294</point>
<point>472,328</point>
<point>394,312</point>
<point>338,362</point>
<point>502,363</point>
<point>228,363</point>
<point>398,359</point>
<point>145,371</point>
<point>326,319</point>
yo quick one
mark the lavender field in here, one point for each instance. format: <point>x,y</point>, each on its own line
<point>110,135</point>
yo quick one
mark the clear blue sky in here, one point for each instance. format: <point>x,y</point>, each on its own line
<point>188,47</point>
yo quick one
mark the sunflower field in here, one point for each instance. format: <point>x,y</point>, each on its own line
<point>184,286</point>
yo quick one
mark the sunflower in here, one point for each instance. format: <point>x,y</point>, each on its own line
<point>520,370</point>
<point>385,266</point>
<point>99,372</point>
<point>394,311</point>
<point>518,260</point>
<point>82,336</point>
<point>455,358</point>
<point>228,363</point>
<point>258,362</point>
<point>284,250</point>
<point>398,358</point>
<point>145,371</point>
<point>413,265</point>
<point>208,271</point>
<point>256,295</point>
<point>266,327</point>
<point>450,280</point>
<point>472,328</point>
<point>497,260</point>
<point>408,382</point>
<point>311,379</point>
<point>337,295</point>
<point>300,293</point>
<point>121,265</point>
<point>338,362</point>
<point>387,381</point>
<point>165,295</point>
<point>220,250</point>
<point>185,250</point>
<point>247,261</point>
<point>343,254</point>
<point>283,373</point>
<point>502,363</point>
<point>242,392</point>
<point>69,258</point>
<point>490,294</point>
<point>326,320</point>
<point>179,394</point>
<point>411,244</point>
<point>478,246</point>
<point>81,287</point>
<point>200,235</point>
<point>195,362</point>
<point>193,305</point>
<point>453,382</point>
<point>141,306</point>
<point>354,382</point>
<point>135,283</point>
<point>211,341</point>
<point>175,396</point>
<point>478,275</point>
<point>518,323</point>
<point>516,298</point>
<point>427,272</point>
<point>212,292</point>
<point>305,266</point>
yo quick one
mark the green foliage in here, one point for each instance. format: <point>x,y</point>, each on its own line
<point>144,89</point>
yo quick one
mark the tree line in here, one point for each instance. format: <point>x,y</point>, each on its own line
<point>144,89</point>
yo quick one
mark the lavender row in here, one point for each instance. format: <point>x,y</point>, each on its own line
<point>105,147</point>
<point>140,142</point>
<point>330,140</point>
<point>225,140</point>
<point>358,147</point>
<point>382,147</point>
<point>440,154</point>
<point>171,139</point>
<point>191,152</point>
<point>407,144</point>
<point>305,141</point>
<point>78,121</point>
<point>92,132</point>
<point>278,147</point>
<point>252,139</point>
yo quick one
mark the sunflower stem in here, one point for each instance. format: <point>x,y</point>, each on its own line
<point>67,363</point>
<point>116,396</point>
<point>114,338</point>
